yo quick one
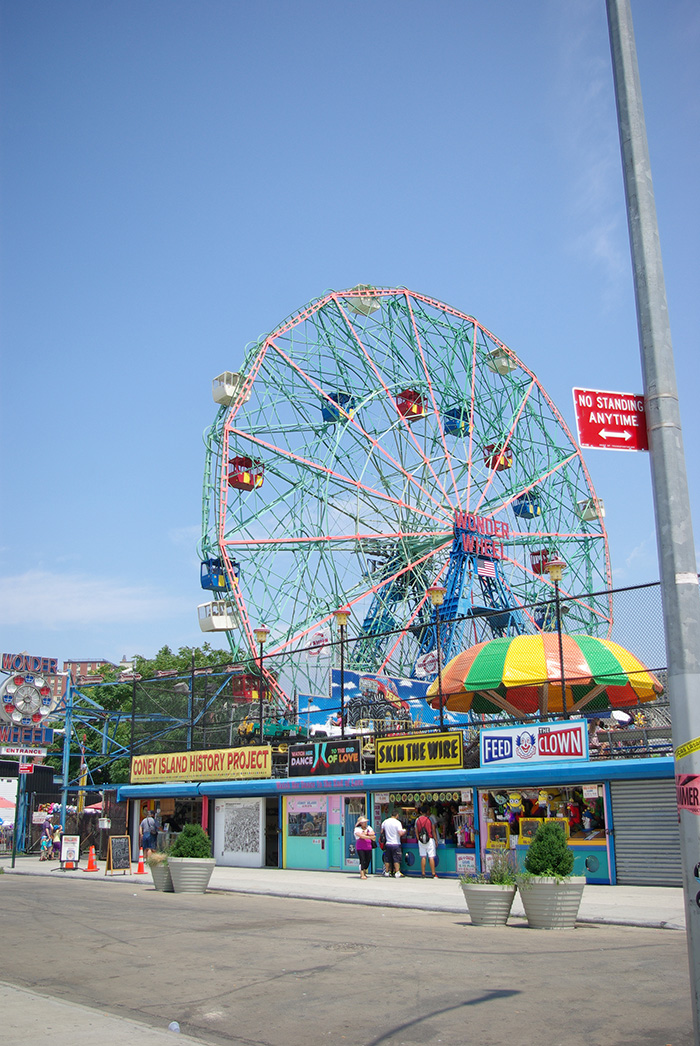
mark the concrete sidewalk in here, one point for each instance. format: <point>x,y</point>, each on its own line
<point>32,1019</point>
<point>650,906</point>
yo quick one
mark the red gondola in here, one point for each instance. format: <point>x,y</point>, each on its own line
<point>540,560</point>
<point>410,404</point>
<point>246,474</point>
<point>498,458</point>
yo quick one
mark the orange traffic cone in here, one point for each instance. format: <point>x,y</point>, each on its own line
<point>141,870</point>
<point>92,863</point>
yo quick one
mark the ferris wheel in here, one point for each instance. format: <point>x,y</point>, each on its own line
<point>376,444</point>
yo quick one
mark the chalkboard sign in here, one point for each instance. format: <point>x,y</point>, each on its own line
<point>119,854</point>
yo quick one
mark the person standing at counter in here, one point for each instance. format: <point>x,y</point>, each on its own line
<point>394,832</point>
<point>427,836</point>
<point>364,834</point>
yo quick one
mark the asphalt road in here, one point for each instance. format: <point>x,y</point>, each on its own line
<point>244,969</point>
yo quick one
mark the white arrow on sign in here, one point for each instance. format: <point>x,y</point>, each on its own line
<point>615,435</point>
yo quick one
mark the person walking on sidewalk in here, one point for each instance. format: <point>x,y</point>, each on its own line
<point>364,834</point>
<point>148,834</point>
<point>393,832</point>
<point>427,836</point>
<point>56,841</point>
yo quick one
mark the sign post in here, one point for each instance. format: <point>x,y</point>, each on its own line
<point>610,420</point>
<point>20,779</point>
<point>677,564</point>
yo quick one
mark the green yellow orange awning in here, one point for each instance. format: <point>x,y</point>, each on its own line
<point>522,675</point>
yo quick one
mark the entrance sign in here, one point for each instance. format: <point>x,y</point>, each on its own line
<point>27,752</point>
<point>610,420</point>
<point>535,743</point>
<point>418,752</point>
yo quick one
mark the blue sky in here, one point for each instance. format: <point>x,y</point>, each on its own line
<point>178,177</point>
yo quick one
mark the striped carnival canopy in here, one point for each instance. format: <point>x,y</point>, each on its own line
<point>522,675</point>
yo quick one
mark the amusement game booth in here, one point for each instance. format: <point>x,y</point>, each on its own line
<point>307,820</point>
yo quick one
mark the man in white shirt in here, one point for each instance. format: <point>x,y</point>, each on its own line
<point>394,831</point>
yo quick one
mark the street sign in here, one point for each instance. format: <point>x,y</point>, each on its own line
<point>27,752</point>
<point>26,768</point>
<point>610,420</point>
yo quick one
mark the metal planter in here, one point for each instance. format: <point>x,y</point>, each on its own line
<point>191,874</point>
<point>162,879</point>
<point>550,904</point>
<point>489,904</point>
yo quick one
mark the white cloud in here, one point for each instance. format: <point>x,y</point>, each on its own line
<point>590,142</point>
<point>643,557</point>
<point>62,600</point>
<point>185,537</point>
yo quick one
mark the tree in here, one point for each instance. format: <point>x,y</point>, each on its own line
<point>162,710</point>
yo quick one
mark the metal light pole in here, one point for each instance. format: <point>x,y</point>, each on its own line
<point>261,634</point>
<point>68,727</point>
<point>190,729</point>
<point>437,595</point>
<point>132,732</point>
<point>555,568</point>
<point>342,617</point>
<point>18,808</point>
<point>677,564</point>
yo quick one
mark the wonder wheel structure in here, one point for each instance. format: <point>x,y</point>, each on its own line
<point>375,444</point>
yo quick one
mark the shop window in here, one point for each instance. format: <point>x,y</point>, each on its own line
<point>517,814</point>
<point>451,818</point>
<point>306,818</point>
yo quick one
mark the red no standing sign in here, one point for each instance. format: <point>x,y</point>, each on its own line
<point>610,420</point>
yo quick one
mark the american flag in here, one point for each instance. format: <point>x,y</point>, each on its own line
<point>486,568</point>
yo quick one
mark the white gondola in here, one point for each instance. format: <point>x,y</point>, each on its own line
<point>500,362</point>
<point>590,509</point>
<point>363,306</point>
<point>218,616</point>
<point>226,387</point>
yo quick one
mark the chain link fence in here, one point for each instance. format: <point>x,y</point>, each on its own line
<point>220,707</point>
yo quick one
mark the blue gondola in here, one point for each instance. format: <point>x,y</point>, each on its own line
<point>527,506</point>
<point>498,620</point>
<point>212,574</point>
<point>455,421</point>
<point>331,412</point>
<point>545,618</point>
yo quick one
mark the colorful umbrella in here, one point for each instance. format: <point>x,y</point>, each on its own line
<point>523,676</point>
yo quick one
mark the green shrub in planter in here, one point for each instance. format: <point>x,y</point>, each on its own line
<point>548,853</point>
<point>503,872</point>
<point>156,858</point>
<point>490,896</point>
<point>192,841</point>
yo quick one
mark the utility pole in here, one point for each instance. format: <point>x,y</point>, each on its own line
<point>674,535</point>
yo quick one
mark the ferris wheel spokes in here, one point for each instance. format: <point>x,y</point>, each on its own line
<point>404,420</point>
<point>352,421</point>
<point>375,421</point>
